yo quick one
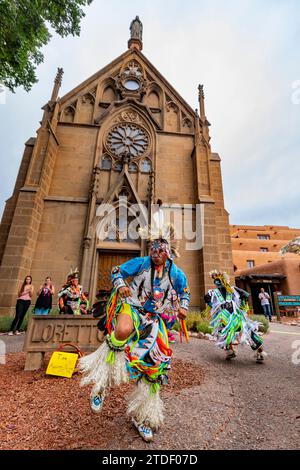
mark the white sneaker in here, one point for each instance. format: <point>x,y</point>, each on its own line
<point>10,333</point>
<point>96,402</point>
<point>144,430</point>
<point>18,332</point>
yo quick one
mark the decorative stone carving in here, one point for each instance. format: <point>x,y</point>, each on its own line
<point>200,141</point>
<point>171,106</point>
<point>95,181</point>
<point>127,139</point>
<point>88,98</point>
<point>131,80</point>
<point>133,69</point>
<point>86,109</point>
<point>128,116</point>
<point>86,243</point>
<point>172,117</point>
<point>187,125</point>
<point>68,113</point>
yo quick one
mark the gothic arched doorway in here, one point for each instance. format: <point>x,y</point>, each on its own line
<point>106,261</point>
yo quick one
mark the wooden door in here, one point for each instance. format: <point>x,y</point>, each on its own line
<point>107,260</point>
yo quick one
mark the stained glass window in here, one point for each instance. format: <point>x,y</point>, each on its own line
<point>133,168</point>
<point>146,166</point>
<point>106,163</point>
<point>128,139</point>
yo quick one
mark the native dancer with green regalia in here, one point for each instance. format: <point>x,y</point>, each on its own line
<point>136,346</point>
<point>231,325</point>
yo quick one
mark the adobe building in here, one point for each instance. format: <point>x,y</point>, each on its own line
<point>123,131</point>
<point>258,262</point>
<point>256,245</point>
<point>280,277</point>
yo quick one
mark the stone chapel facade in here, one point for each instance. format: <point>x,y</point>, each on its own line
<point>124,131</point>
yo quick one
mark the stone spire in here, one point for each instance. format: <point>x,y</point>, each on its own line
<point>201,102</point>
<point>136,34</point>
<point>57,84</point>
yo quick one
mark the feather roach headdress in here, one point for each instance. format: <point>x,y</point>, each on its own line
<point>73,274</point>
<point>164,232</point>
<point>223,278</point>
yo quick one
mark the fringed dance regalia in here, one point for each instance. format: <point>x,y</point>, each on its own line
<point>71,299</point>
<point>169,318</point>
<point>229,319</point>
<point>71,295</point>
<point>145,356</point>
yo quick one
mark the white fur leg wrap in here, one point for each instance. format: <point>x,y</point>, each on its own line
<point>143,406</point>
<point>101,374</point>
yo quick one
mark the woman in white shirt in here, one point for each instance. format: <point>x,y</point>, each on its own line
<point>265,303</point>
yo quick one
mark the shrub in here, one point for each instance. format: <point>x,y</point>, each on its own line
<point>5,322</point>
<point>199,321</point>
<point>205,314</point>
<point>196,321</point>
<point>204,327</point>
<point>264,327</point>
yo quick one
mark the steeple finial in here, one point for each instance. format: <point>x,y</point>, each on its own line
<point>136,34</point>
<point>57,83</point>
<point>201,91</point>
<point>201,102</point>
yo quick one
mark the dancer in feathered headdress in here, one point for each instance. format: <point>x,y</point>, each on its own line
<point>159,231</point>
<point>71,294</point>
<point>137,346</point>
<point>229,306</point>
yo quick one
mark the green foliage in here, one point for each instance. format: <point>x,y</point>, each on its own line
<point>197,321</point>
<point>263,320</point>
<point>25,30</point>
<point>5,323</point>
<point>203,327</point>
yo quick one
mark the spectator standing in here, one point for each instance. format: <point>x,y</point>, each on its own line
<point>23,303</point>
<point>45,294</point>
<point>265,303</point>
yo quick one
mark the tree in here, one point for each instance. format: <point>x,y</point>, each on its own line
<point>24,31</point>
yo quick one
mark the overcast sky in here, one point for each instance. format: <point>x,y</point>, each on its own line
<point>247,55</point>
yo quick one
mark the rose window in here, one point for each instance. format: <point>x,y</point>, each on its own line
<point>127,139</point>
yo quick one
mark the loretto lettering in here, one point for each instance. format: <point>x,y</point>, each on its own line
<point>46,332</point>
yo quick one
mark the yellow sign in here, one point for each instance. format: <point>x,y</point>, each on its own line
<point>62,364</point>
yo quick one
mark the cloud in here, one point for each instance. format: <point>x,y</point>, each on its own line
<point>246,55</point>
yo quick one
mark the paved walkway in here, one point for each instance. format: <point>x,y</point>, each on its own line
<point>240,405</point>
